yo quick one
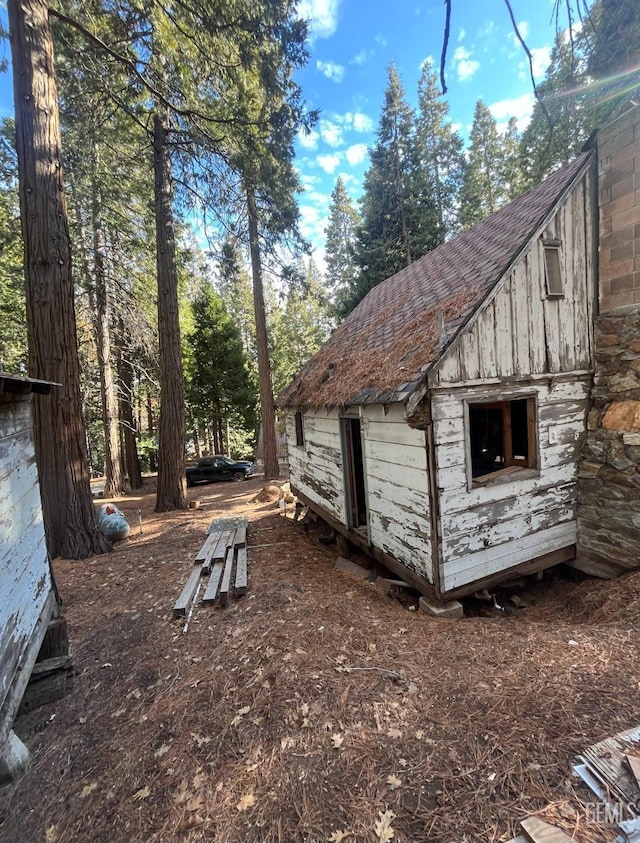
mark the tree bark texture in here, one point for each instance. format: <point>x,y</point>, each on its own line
<point>131,459</point>
<point>267,408</point>
<point>172,489</point>
<point>69,515</point>
<point>114,481</point>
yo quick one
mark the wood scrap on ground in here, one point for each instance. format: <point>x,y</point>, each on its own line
<point>216,559</point>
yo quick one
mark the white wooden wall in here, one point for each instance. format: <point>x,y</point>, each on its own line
<point>25,579</point>
<point>395,458</point>
<point>316,468</point>
<point>521,331</point>
<point>395,464</point>
<point>489,529</point>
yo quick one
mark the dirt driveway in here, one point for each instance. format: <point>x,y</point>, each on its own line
<point>314,707</point>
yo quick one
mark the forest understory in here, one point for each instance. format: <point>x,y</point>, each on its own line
<point>314,707</point>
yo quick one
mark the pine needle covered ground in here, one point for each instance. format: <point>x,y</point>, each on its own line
<point>314,708</point>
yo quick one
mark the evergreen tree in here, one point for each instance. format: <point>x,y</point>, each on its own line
<point>220,391</point>
<point>301,328</point>
<point>342,271</point>
<point>59,431</point>
<point>613,35</point>
<point>511,177</point>
<point>399,221</point>
<point>13,318</point>
<point>482,188</point>
<point>440,149</point>
<point>235,289</point>
<point>554,138</point>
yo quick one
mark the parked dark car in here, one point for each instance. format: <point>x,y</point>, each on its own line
<point>210,469</point>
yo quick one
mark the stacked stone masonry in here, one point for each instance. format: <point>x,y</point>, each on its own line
<point>619,200</point>
<point>609,485</point>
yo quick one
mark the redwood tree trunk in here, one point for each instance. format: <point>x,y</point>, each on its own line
<point>69,515</point>
<point>131,459</point>
<point>113,486</point>
<point>267,408</point>
<point>172,489</point>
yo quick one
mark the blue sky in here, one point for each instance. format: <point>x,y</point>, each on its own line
<point>352,44</point>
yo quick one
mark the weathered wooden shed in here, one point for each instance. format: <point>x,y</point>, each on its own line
<point>439,427</point>
<point>27,591</point>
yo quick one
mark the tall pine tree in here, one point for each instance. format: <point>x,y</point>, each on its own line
<point>341,231</point>
<point>441,151</point>
<point>482,188</point>
<point>557,129</point>
<point>398,214</point>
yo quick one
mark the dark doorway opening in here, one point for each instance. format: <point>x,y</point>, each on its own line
<point>354,473</point>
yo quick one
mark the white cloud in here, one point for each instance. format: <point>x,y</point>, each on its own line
<point>518,107</point>
<point>381,40</point>
<point>322,16</point>
<point>427,59</point>
<point>331,70</point>
<point>362,123</point>
<point>541,59</point>
<point>310,140</point>
<point>461,35</point>
<point>328,163</point>
<point>330,133</point>
<point>465,65</point>
<point>356,154</point>
<point>363,56</point>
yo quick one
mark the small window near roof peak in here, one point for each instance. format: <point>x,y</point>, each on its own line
<point>552,268</point>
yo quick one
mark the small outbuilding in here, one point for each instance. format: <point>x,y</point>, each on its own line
<point>27,592</point>
<point>439,427</point>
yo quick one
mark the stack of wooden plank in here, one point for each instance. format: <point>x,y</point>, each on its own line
<point>223,558</point>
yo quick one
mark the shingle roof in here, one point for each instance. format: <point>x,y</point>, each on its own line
<point>382,350</point>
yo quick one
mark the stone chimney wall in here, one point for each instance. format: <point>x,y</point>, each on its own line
<point>619,200</point>
<point>609,487</point>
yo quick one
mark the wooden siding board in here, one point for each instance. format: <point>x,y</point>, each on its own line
<point>407,496</point>
<point>24,589</point>
<point>316,469</point>
<point>504,329</point>
<point>520,307</point>
<point>399,455</point>
<point>482,514</point>
<point>493,536</point>
<point>519,550</point>
<point>396,433</point>
<point>412,549</point>
<point>501,522</point>
<point>15,416</point>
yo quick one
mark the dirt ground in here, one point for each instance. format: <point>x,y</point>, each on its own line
<point>314,707</point>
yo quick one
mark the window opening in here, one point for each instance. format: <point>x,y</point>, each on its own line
<point>502,436</point>
<point>299,430</point>
<point>552,269</point>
